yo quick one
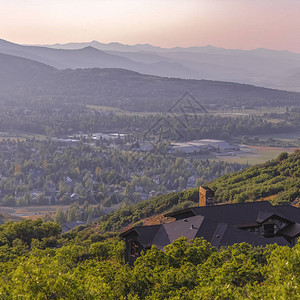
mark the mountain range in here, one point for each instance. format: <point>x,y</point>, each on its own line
<point>261,67</point>
<point>23,79</point>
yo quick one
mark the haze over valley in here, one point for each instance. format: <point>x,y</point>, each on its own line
<point>150,149</point>
<point>76,97</point>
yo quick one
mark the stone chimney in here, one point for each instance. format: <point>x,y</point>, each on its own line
<point>206,196</point>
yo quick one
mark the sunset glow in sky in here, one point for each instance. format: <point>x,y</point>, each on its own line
<point>244,24</point>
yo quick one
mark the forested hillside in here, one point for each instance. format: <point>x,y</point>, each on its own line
<point>279,178</point>
<point>125,89</point>
<point>62,119</point>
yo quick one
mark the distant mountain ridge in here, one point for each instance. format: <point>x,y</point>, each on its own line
<point>257,66</point>
<point>90,57</point>
<point>115,46</point>
<point>262,67</point>
<point>23,79</point>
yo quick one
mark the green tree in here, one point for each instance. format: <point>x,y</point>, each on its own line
<point>60,216</point>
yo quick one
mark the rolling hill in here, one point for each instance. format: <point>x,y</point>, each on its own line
<point>91,57</point>
<point>24,79</point>
<point>262,67</point>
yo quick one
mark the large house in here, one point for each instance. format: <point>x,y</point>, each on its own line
<point>257,223</point>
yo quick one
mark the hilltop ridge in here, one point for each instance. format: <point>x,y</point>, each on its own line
<point>129,90</point>
<point>263,67</point>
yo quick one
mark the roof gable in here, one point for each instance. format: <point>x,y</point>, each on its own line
<point>234,235</point>
<point>291,231</point>
<point>146,234</point>
<point>184,227</point>
<point>264,216</point>
<point>290,212</point>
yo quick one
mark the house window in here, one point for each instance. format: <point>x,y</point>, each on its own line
<point>134,249</point>
<point>269,230</point>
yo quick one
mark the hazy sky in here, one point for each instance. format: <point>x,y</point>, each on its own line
<point>245,24</point>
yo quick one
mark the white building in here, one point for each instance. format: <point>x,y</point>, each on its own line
<point>205,145</point>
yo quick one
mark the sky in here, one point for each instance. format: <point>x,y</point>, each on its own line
<point>234,24</point>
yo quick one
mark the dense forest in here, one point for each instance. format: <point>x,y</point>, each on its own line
<point>60,120</point>
<point>42,172</point>
<point>37,262</point>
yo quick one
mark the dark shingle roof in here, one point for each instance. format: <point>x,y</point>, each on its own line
<point>290,212</point>
<point>265,215</point>
<point>182,228</point>
<point>70,225</point>
<point>218,234</point>
<point>241,213</point>
<point>218,225</point>
<point>146,234</point>
<point>234,235</point>
<point>291,231</point>
<point>233,214</point>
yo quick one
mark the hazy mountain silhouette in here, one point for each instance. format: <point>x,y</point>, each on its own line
<point>107,47</point>
<point>62,59</point>
<point>23,79</point>
<point>14,69</point>
<point>89,57</point>
<point>261,67</point>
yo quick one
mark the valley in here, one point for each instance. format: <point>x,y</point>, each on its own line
<point>150,150</point>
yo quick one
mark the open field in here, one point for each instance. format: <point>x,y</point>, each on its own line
<point>105,108</point>
<point>228,113</point>
<point>20,136</point>
<point>39,211</point>
<point>32,211</point>
<point>254,154</point>
<point>247,155</point>
<point>287,136</point>
<point>249,112</point>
